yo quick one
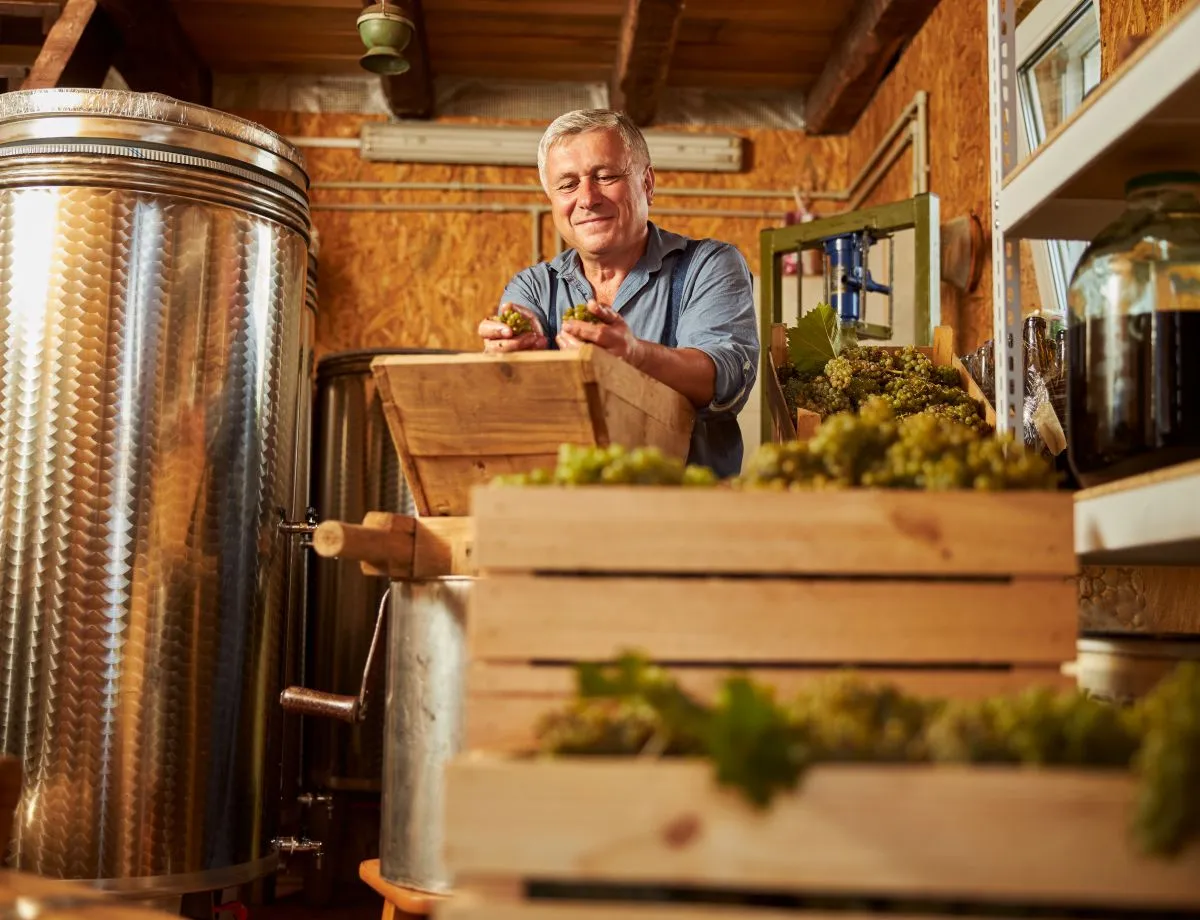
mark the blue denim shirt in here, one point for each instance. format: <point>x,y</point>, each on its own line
<point>716,316</point>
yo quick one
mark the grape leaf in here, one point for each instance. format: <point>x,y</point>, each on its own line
<point>817,337</point>
<point>753,745</point>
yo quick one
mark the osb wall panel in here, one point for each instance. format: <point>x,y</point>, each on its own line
<point>948,59</point>
<point>425,279</point>
<point>1120,19</point>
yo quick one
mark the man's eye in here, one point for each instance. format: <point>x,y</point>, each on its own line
<point>607,178</point>
<point>567,186</point>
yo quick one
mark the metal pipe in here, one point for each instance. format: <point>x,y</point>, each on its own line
<point>538,190</point>
<point>911,127</point>
<point>493,208</point>
<point>917,109</point>
<point>910,111</point>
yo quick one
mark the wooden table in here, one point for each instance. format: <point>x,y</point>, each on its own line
<point>398,902</point>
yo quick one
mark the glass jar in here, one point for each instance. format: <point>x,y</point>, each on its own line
<point>1133,337</point>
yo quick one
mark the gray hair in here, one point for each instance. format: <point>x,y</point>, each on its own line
<point>582,120</point>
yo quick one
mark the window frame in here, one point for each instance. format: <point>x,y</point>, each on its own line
<point>1034,32</point>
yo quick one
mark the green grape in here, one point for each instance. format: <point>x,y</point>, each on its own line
<point>839,372</point>
<point>1167,811</point>
<point>579,465</point>
<point>581,313</point>
<point>947,375</point>
<point>517,321</point>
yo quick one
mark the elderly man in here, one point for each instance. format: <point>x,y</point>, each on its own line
<point>679,309</point>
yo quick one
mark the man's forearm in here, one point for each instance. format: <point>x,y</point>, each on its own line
<point>687,370</point>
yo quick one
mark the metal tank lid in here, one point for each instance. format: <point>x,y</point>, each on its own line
<point>46,115</point>
<point>358,361</point>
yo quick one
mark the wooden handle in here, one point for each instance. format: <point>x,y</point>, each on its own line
<point>385,541</point>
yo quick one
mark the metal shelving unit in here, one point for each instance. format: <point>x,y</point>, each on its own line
<point>1145,115</point>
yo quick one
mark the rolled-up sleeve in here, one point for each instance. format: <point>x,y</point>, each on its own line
<point>718,318</point>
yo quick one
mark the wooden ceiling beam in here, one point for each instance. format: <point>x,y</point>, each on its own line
<point>865,48</point>
<point>78,49</point>
<point>155,54</point>
<point>648,34</point>
<point>410,94</point>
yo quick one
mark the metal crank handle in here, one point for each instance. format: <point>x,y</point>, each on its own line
<point>307,702</point>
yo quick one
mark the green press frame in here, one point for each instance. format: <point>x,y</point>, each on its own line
<point>919,214</point>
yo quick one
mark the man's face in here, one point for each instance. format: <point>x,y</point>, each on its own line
<point>600,199</point>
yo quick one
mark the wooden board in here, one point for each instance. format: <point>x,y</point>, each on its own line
<point>458,420</point>
<point>505,702</point>
<point>721,531</point>
<point>761,621</point>
<point>473,908</point>
<point>1050,836</point>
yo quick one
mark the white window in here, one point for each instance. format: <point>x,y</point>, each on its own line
<point>1058,64</point>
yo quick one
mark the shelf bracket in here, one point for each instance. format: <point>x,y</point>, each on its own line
<point>1006,253</point>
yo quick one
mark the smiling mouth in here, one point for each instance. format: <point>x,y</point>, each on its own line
<point>593,220</point>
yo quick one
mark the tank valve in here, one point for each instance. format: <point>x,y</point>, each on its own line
<point>291,846</point>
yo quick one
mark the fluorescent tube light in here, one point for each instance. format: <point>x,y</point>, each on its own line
<point>419,142</point>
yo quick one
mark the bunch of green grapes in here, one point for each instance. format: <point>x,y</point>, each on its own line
<point>581,313</point>
<point>1038,726</point>
<point>932,450</point>
<point>906,378</point>
<point>613,465</point>
<point>847,719</point>
<point>816,394</point>
<point>515,320</point>
<point>606,727</point>
<point>1167,811</point>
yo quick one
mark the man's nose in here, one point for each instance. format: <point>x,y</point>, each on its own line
<point>589,193</point>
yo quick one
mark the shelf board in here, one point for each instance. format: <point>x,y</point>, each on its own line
<point>1145,116</point>
<point>1152,519</point>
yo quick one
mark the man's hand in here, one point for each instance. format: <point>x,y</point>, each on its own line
<point>498,338</point>
<point>611,333</point>
<point>687,370</point>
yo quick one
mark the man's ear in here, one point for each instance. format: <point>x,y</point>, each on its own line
<point>649,180</point>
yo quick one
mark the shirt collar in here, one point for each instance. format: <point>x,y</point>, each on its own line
<point>659,243</point>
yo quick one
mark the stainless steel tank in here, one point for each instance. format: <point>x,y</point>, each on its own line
<point>152,279</point>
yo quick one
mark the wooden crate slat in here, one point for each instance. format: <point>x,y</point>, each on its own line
<point>479,909</point>
<point>720,531</point>
<point>1053,836</point>
<point>505,702</point>
<point>486,407</point>
<point>521,617</point>
<point>447,480</point>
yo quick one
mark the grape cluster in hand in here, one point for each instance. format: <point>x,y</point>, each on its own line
<point>906,379</point>
<point>517,321</point>
<point>931,450</point>
<point>580,313</point>
<point>613,465</point>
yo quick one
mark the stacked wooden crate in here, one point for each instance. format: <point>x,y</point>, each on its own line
<point>937,835</point>
<point>962,594</point>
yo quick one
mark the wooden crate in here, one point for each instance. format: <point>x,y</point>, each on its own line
<point>986,834</point>
<point>459,420</point>
<point>804,424</point>
<point>962,594</point>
